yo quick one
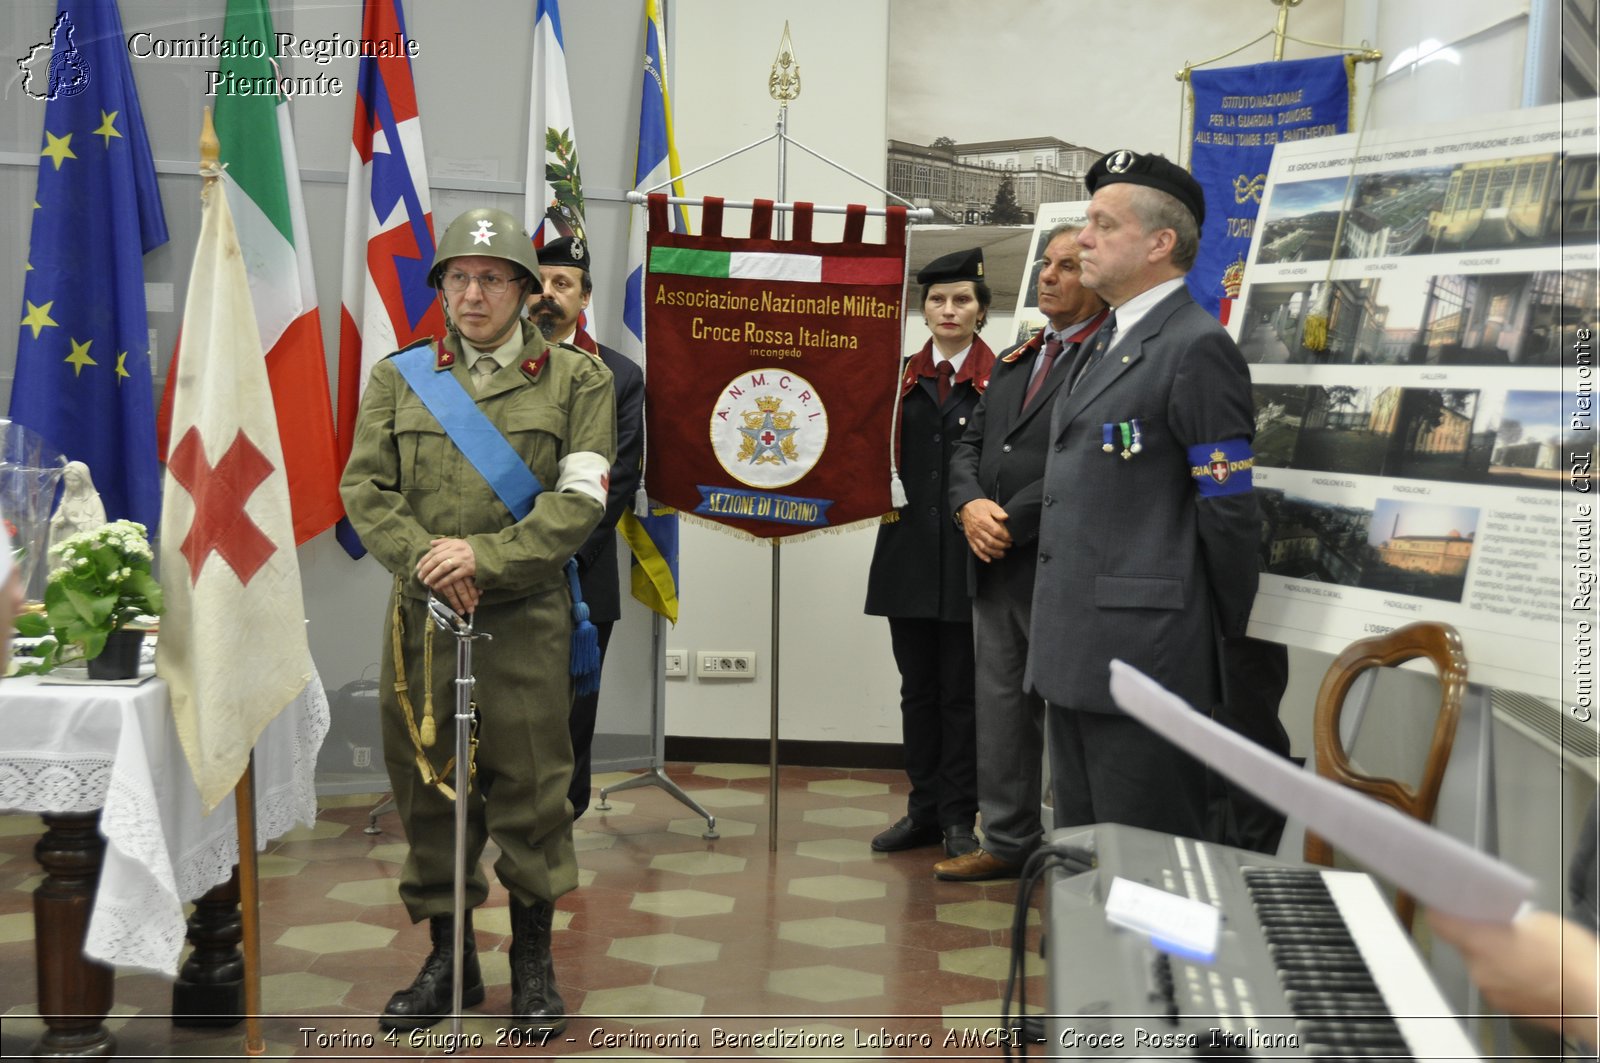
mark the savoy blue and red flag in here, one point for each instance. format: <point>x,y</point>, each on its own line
<point>388,223</point>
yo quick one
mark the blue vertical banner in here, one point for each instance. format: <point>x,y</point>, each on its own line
<point>1240,114</point>
<point>83,378</point>
<point>653,534</point>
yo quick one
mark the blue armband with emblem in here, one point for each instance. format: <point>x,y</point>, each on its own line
<point>1221,468</point>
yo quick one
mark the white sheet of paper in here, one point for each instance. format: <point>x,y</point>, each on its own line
<point>1440,871</point>
<point>1180,924</point>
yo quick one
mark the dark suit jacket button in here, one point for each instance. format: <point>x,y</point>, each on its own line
<point>1043,558</point>
<point>1060,447</point>
<point>933,511</point>
<point>1049,501</point>
<point>936,437</point>
<point>1006,449</point>
<point>934,475</point>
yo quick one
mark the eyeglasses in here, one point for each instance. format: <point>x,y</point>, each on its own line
<point>488,283</point>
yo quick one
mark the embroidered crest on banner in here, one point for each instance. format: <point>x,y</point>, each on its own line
<point>768,428</point>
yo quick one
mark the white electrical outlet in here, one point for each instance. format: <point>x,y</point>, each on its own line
<point>677,662</point>
<point>726,664</point>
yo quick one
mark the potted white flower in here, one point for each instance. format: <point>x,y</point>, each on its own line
<point>100,584</point>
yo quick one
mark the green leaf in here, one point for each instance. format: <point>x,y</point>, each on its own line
<point>95,609</point>
<point>32,625</point>
<point>44,659</point>
<point>142,590</point>
<point>94,643</point>
<point>55,595</point>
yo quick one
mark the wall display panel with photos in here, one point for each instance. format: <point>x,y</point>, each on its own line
<point>1418,309</point>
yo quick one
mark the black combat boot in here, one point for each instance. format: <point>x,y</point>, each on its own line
<point>427,999</point>
<point>535,1000</point>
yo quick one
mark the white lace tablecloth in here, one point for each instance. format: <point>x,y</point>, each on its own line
<point>78,748</point>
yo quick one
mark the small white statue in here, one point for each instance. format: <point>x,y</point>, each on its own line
<point>81,509</point>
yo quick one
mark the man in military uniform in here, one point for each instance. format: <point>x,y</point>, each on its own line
<point>564,269</point>
<point>414,491</point>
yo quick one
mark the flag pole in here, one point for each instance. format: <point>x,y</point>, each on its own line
<point>783,85</point>
<point>244,799</point>
<point>244,792</point>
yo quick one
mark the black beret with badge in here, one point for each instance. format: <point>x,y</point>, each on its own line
<point>956,266</point>
<point>567,251</point>
<point>1151,171</point>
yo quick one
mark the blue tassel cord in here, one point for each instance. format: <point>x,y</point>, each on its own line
<point>585,666</point>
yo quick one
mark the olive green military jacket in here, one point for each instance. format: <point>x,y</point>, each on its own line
<point>406,483</point>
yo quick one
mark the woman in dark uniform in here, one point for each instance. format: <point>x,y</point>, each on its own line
<point>918,577</point>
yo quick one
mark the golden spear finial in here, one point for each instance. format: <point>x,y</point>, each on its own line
<point>784,82</point>
<point>210,147</point>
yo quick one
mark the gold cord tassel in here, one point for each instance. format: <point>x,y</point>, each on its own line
<point>429,732</point>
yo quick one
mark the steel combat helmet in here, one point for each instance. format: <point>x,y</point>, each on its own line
<point>488,232</point>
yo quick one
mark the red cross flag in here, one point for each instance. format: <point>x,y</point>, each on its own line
<point>233,641</point>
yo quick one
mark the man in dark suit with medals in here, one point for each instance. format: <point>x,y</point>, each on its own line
<point>565,270</point>
<point>1148,539</point>
<point>996,474</point>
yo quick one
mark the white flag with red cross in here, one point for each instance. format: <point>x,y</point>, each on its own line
<point>233,642</point>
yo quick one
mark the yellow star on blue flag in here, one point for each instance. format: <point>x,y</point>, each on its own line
<point>97,213</point>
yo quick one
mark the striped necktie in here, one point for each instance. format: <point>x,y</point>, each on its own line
<point>1047,362</point>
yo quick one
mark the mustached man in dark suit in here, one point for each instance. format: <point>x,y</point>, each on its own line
<point>996,477</point>
<point>1148,538</point>
<point>564,269</point>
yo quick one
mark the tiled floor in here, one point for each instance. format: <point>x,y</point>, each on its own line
<point>669,938</point>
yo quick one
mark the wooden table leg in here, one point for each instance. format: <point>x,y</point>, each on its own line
<point>74,991</point>
<point>210,988</point>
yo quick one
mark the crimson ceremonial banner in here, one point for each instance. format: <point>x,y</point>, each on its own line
<point>771,369</point>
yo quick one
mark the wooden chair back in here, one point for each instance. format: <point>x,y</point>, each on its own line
<point>1440,644</point>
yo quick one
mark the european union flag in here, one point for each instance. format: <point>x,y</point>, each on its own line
<point>83,378</point>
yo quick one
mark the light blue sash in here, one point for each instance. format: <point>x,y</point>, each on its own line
<point>502,467</point>
<point>474,434</point>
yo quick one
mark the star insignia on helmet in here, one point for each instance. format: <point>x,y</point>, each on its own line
<point>483,234</point>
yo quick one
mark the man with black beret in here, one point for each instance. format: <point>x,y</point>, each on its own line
<point>564,270</point>
<point>1148,537</point>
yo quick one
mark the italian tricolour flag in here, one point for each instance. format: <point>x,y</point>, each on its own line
<point>770,266</point>
<point>269,212</point>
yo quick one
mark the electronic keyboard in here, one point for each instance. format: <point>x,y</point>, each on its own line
<point>1307,961</point>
